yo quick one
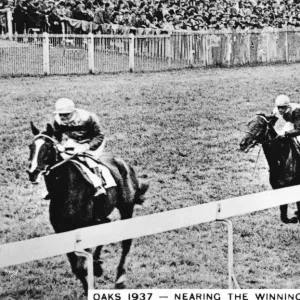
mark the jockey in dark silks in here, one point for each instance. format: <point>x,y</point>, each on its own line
<point>79,130</point>
<point>289,113</point>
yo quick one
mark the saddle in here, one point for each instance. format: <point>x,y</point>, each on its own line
<point>123,174</point>
<point>104,173</point>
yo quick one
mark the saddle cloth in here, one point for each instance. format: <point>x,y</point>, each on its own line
<point>107,180</point>
<point>84,164</point>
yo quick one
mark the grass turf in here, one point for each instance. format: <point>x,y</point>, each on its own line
<point>181,131</point>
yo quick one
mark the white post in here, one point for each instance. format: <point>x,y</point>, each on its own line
<point>91,53</point>
<point>9,23</point>
<point>131,53</point>
<point>63,29</point>
<point>207,48</point>
<point>46,64</point>
<point>249,46</point>
<point>286,46</point>
<point>35,36</point>
<point>168,49</point>
<point>267,42</point>
<point>190,47</point>
<point>231,277</point>
<point>204,55</point>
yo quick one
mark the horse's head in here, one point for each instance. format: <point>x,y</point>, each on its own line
<point>42,153</point>
<point>260,130</point>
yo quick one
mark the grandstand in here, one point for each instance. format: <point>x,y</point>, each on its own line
<point>145,17</point>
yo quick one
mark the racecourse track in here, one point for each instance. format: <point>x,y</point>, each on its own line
<point>181,131</point>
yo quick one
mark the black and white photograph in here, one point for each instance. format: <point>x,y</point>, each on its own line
<point>150,149</point>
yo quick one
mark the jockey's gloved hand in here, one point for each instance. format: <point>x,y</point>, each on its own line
<point>281,137</point>
<point>287,135</point>
<point>60,148</point>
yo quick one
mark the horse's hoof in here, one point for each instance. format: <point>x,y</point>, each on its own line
<point>98,271</point>
<point>286,220</point>
<point>120,283</point>
<point>103,221</point>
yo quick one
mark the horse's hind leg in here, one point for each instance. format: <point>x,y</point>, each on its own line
<point>98,271</point>
<point>126,213</point>
<point>298,211</point>
<point>284,215</point>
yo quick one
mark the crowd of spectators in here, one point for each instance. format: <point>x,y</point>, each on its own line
<point>166,15</point>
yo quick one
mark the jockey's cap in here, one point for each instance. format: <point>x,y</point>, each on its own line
<point>64,106</point>
<point>282,100</point>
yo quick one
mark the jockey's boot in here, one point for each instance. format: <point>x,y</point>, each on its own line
<point>98,172</point>
<point>100,190</point>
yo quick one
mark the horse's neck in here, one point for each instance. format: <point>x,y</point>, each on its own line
<point>272,155</point>
<point>272,134</point>
<point>72,204</point>
<point>66,180</point>
<point>271,149</point>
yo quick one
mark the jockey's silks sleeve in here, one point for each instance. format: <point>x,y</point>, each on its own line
<point>295,119</point>
<point>83,127</point>
<point>96,136</point>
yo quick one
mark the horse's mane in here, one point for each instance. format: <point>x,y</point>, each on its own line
<point>255,122</point>
<point>270,118</point>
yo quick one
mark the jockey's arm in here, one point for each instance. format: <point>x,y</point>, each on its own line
<point>296,121</point>
<point>97,136</point>
<point>93,134</point>
<point>57,134</point>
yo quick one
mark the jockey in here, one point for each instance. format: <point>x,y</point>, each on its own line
<point>290,114</point>
<point>79,129</point>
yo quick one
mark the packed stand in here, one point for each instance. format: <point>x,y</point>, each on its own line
<point>127,16</point>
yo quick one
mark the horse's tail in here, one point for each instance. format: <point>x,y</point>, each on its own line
<point>140,193</point>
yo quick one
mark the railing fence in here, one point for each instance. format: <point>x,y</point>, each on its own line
<point>80,239</point>
<point>39,54</point>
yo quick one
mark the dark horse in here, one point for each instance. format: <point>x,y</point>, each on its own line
<point>72,203</point>
<point>282,156</point>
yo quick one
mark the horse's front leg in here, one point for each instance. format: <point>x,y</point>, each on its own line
<point>126,212</point>
<point>121,277</point>
<point>79,268</point>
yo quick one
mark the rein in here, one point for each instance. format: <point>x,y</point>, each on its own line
<point>69,158</point>
<point>256,163</point>
<point>48,169</point>
<point>258,142</point>
<point>45,136</point>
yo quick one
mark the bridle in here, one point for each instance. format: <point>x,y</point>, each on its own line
<point>47,168</point>
<point>45,136</point>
